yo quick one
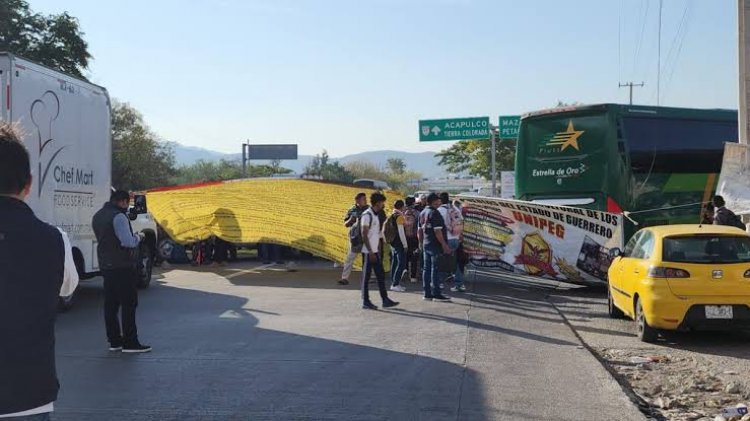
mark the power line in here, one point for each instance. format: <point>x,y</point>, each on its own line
<point>644,19</point>
<point>682,31</point>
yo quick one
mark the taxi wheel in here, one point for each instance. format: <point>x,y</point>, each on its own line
<point>646,333</point>
<point>612,310</point>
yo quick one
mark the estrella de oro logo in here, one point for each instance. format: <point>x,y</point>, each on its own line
<point>566,139</point>
<point>44,112</point>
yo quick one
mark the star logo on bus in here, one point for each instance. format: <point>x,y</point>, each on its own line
<point>568,138</point>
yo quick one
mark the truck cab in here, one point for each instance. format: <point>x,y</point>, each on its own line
<point>141,221</point>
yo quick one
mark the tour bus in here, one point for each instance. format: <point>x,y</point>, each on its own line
<point>370,183</point>
<point>657,164</point>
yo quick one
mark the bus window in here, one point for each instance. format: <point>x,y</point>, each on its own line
<point>677,145</point>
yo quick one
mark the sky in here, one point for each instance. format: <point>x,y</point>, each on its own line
<point>355,76</point>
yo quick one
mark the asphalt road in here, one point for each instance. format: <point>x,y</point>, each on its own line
<point>243,344</point>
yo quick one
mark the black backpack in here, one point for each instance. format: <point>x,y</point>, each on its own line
<point>355,234</point>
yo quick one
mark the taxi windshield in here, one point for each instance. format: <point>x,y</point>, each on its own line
<point>707,249</point>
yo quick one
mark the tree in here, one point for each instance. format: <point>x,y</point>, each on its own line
<point>321,166</point>
<point>202,171</point>
<point>139,159</point>
<point>474,156</point>
<point>396,165</point>
<point>53,40</point>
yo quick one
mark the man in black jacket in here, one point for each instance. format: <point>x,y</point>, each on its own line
<point>724,216</point>
<point>117,250</point>
<point>36,268</point>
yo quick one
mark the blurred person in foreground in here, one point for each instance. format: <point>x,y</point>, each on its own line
<point>36,269</point>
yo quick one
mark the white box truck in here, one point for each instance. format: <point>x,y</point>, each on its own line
<point>65,123</point>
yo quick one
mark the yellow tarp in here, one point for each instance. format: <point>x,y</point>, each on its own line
<point>306,215</point>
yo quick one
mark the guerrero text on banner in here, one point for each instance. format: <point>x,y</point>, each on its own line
<point>568,244</point>
<point>306,215</point>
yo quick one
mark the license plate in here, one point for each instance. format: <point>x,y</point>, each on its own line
<point>719,312</point>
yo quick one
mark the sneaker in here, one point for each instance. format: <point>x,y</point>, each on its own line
<point>343,282</point>
<point>450,279</point>
<point>441,298</point>
<point>390,303</point>
<point>413,280</point>
<point>369,306</point>
<point>136,349</point>
<point>115,348</point>
<point>459,288</point>
<point>427,298</point>
<point>398,288</point>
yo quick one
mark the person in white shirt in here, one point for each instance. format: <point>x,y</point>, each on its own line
<point>372,259</point>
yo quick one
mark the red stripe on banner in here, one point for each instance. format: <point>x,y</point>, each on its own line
<point>532,261</point>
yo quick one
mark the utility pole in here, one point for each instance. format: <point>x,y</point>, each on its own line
<point>493,157</point>
<point>630,85</point>
<point>658,60</point>
<point>245,157</point>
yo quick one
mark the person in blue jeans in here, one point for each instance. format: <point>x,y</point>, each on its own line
<point>398,246</point>
<point>434,243</point>
<point>454,227</point>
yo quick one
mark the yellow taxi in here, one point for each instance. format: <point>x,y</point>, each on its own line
<point>681,277</point>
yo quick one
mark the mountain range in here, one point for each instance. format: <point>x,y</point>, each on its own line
<point>425,163</point>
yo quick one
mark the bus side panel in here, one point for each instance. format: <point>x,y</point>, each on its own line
<point>66,128</point>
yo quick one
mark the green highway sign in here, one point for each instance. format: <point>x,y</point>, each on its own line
<point>509,126</point>
<point>454,129</point>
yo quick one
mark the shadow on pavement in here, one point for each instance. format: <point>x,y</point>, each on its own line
<point>211,360</point>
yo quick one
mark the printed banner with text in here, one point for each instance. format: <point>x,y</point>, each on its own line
<point>563,243</point>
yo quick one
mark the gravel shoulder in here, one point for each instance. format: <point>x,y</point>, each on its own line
<point>684,376</point>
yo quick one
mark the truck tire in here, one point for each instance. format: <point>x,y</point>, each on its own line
<point>145,265</point>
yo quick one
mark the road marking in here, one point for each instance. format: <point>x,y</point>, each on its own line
<point>248,271</point>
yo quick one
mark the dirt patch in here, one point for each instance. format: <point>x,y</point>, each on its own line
<point>679,385</point>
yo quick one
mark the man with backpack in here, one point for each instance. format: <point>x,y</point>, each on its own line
<point>411,226</point>
<point>372,258</point>
<point>351,221</point>
<point>724,216</point>
<point>434,243</point>
<point>394,234</point>
<point>454,227</point>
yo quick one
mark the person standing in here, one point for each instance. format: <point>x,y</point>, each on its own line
<point>36,268</point>
<point>411,225</point>
<point>117,250</point>
<point>351,218</point>
<point>398,245</point>
<point>454,224</point>
<point>372,259</point>
<point>433,241</point>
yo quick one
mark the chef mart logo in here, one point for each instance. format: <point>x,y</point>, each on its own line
<point>568,139</point>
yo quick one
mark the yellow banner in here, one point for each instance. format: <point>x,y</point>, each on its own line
<point>303,214</point>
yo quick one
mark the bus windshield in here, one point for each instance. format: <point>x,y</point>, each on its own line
<point>563,158</point>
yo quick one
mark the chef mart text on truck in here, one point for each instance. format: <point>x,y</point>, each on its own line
<point>65,124</point>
